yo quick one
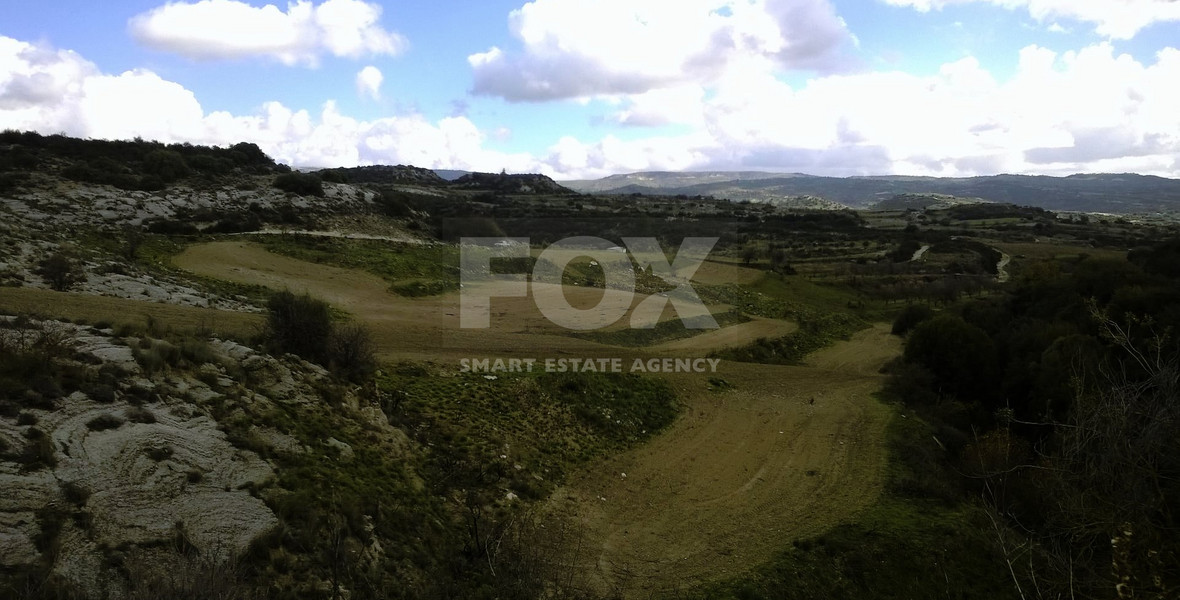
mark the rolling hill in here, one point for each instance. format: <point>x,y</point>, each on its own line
<point>1109,193</point>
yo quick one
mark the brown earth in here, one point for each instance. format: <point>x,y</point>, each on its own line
<point>429,328</point>
<point>739,476</point>
<point>784,453</point>
<point>119,311</point>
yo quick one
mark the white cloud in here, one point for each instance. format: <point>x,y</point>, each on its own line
<point>224,29</point>
<point>1083,111</point>
<point>584,48</point>
<point>368,82</point>
<point>79,100</point>
<point>680,105</point>
<point>1117,20</point>
<point>1088,110</point>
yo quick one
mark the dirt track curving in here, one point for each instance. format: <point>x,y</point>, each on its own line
<point>785,453</point>
<point>428,328</point>
<point>739,476</point>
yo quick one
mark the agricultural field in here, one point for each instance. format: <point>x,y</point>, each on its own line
<point>301,354</point>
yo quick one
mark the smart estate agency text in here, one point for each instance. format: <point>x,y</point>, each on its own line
<point>589,365</point>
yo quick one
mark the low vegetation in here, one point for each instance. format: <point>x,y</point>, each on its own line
<point>411,270</point>
<point>304,326</point>
<point>664,331</point>
<point>1054,400</point>
<point>922,539</point>
<point>816,331</point>
<point>1031,450</point>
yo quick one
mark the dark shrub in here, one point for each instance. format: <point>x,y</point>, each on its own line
<point>960,356</point>
<point>167,165</point>
<point>391,204</point>
<point>60,271</point>
<point>304,184</point>
<point>104,422</point>
<point>172,227</point>
<point>300,325</point>
<point>333,176</point>
<point>139,414</point>
<point>350,352</point>
<point>102,392</point>
<point>237,223</point>
<point>910,317</point>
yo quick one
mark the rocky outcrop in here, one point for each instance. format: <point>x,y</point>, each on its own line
<point>388,174</point>
<point>48,215</point>
<point>512,184</point>
<point>146,466</point>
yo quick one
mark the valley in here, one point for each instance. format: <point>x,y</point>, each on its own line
<point>270,369</point>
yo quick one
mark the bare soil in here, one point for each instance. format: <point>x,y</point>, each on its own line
<point>429,328</point>
<point>787,454</point>
<point>782,453</point>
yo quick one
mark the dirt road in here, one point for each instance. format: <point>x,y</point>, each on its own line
<point>739,476</point>
<point>429,328</point>
<point>785,453</point>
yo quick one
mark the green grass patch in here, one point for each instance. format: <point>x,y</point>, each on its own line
<point>411,270</point>
<point>747,300</point>
<point>664,331</point>
<point>373,491</point>
<point>475,439</point>
<point>530,428</point>
<point>152,253</point>
<point>784,296</point>
<point>816,331</point>
<point>909,544</point>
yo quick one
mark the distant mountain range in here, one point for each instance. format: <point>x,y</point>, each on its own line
<point>1110,193</point>
<point>450,174</point>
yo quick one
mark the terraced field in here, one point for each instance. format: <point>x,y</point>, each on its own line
<point>772,454</point>
<point>786,454</point>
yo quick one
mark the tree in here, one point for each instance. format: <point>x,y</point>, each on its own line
<point>350,352</point>
<point>300,325</point>
<point>1106,486</point>
<point>168,165</point>
<point>961,356</point>
<point>61,272</point>
<point>1120,467</point>
<point>304,184</point>
<point>911,316</point>
<point>749,253</point>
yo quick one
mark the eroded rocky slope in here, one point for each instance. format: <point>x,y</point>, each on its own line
<point>136,460</point>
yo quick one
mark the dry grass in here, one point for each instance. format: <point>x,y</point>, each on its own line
<point>123,312</point>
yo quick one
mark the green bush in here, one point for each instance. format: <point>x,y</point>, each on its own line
<point>167,165</point>
<point>350,352</point>
<point>300,325</point>
<point>960,356</point>
<point>60,271</point>
<point>910,317</point>
<point>104,422</point>
<point>304,184</point>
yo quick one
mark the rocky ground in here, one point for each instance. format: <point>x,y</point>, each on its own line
<point>50,214</point>
<point>94,478</point>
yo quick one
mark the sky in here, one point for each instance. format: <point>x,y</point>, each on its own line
<point>580,89</point>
